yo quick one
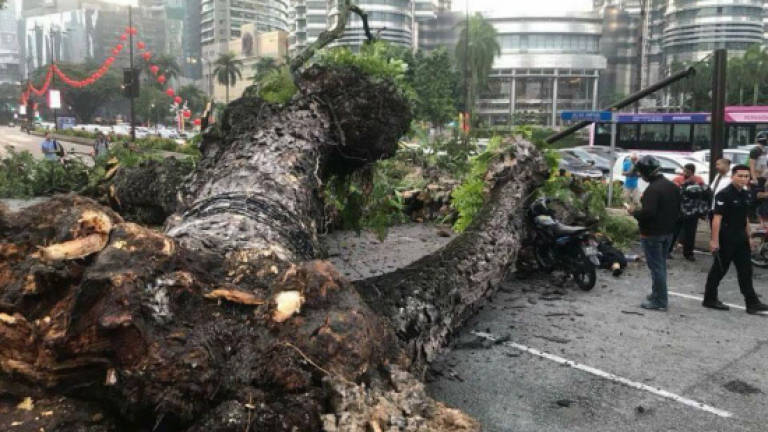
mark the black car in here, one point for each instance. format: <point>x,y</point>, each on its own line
<point>577,168</point>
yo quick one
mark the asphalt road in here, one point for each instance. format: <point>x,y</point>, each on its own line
<point>687,369</point>
<point>14,138</point>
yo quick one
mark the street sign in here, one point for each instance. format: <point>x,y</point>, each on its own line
<point>593,116</point>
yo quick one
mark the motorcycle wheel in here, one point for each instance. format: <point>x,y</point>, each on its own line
<point>759,256</point>
<point>585,277</point>
<point>544,258</point>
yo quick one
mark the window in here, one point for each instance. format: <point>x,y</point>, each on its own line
<point>654,132</point>
<point>681,133</point>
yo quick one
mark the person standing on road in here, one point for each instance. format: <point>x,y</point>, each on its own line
<point>101,145</point>
<point>721,181</point>
<point>631,192</point>
<point>730,242</point>
<point>660,207</point>
<point>50,149</point>
<point>693,205</point>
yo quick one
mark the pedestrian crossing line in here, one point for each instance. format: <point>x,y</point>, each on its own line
<point>611,377</point>
<point>693,297</point>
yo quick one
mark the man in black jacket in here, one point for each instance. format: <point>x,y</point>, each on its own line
<point>657,216</point>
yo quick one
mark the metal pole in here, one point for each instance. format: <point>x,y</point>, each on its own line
<point>626,101</point>
<point>133,74</point>
<point>554,100</point>
<point>613,158</point>
<point>718,107</point>
<point>53,81</point>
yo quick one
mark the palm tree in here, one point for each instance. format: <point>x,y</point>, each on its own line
<point>227,70</point>
<point>168,66</point>
<point>475,51</point>
<point>262,67</point>
<point>755,68</point>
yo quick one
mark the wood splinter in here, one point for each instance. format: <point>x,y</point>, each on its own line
<point>235,296</point>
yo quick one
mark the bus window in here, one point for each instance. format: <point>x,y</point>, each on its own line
<point>681,134</point>
<point>654,136</point>
<point>702,134</point>
<point>627,135</point>
<point>738,135</point>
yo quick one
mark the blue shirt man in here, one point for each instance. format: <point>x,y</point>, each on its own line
<point>49,148</point>
<point>630,179</point>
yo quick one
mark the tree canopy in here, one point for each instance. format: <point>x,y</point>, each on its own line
<point>475,51</point>
<point>228,69</point>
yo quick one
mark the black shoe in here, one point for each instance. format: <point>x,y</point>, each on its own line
<point>717,304</point>
<point>690,258</point>
<point>757,309</point>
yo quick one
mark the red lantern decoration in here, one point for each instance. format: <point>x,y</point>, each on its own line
<point>187,114</point>
<point>161,79</point>
<point>147,55</point>
<point>109,60</point>
<point>197,122</point>
<point>132,30</point>
<point>115,51</point>
<point>123,36</point>
<point>119,47</point>
<point>154,69</point>
<point>141,45</point>
<point>170,92</point>
<point>177,99</point>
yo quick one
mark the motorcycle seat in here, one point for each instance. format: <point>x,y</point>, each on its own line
<point>562,229</point>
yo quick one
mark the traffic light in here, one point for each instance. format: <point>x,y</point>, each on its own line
<point>131,82</point>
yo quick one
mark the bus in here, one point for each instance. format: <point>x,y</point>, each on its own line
<point>682,132</point>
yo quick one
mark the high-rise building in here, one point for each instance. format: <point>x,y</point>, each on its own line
<point>548,62</point>
<point>395,21</point>
<point>191,62</point>
<point>693,29</point>
<point>621,48</point>
<point>9,46</point>
<point>75,30</point>
<point>220,21</point>
<point>440,32</point>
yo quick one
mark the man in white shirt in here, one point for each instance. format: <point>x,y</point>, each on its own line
<point>721,181</point>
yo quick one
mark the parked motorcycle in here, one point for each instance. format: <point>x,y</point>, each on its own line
<point>760,248</point>
<point>571,249</point>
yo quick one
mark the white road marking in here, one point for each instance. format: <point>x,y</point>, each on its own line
<point>693,297</point>
<point>609,376</point>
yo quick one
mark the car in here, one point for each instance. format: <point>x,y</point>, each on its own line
<point>577,168</point>
<point>671,166</point>
<point>602,151</point>
<point>736,156</point>
<point>167,133</point>
<point>588,158</point>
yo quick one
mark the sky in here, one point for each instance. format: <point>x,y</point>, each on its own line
<point>511,6</point>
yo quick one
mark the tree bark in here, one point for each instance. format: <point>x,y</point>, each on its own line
<point>226,321</point>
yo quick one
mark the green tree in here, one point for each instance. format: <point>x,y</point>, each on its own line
<point>262,67</point>
<point>433,80</point>
<point>228,70</point>
<point>84,101</point>
<point>152,105</point>
<point>755,68</point>
<point>475,51</point>
<point>194,96</point>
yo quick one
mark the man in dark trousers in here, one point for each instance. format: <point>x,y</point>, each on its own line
<point>657,217</point>
<point>693,206</point>
<point>730,242</point>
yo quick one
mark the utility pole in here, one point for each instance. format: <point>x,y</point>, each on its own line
<point>133,72</point>
<point>53,79</point>
<point>467,96</point>
<point>718,107</point>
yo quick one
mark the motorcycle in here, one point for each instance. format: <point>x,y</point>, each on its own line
<point>571,249</point>
<point>759,245</point>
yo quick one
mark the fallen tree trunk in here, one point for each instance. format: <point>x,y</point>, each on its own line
<point>224,322</point>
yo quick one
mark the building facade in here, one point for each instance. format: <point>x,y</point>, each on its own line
<point>10,59</point>
<point>395,21</point>
<point>73,31</point>
<point>440,32</point>
<point>548,63</point>
<point>192,54</point>
<point>251,46</point>
<point>221,21</point>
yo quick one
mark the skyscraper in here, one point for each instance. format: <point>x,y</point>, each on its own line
<point>220,21</point>
<point>9,46</point>
<point>395,21</point>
